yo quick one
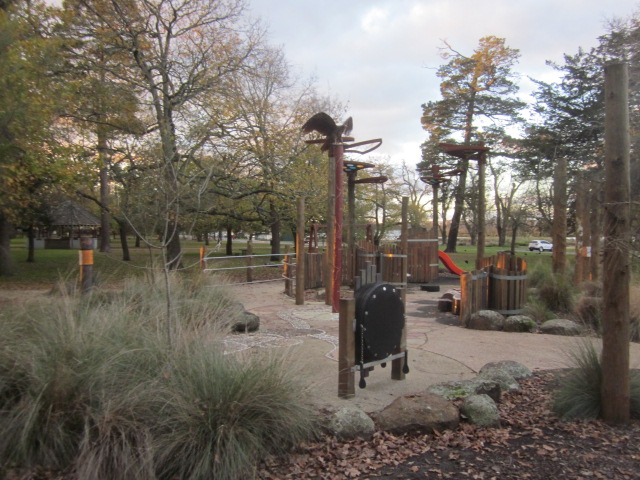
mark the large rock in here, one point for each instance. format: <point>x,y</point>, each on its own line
<point>351,422</point>
<point>481,410</point>
<point>247,322</point>
<point>515,369</point>
<point>422,412</point>
<point>560,326</point>
<point>465,388</point>
<point>504,379</point>
<point>520,323</point>
<point>486,320</point>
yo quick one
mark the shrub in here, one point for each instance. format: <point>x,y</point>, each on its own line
<point>589,310</point>
<point>556,294</point>
<point>92,382</point>
<point>539,274</point>
<point>537,310</point>
<point>578,393</point>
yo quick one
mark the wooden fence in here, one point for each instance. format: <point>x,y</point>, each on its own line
<point>501,285</point>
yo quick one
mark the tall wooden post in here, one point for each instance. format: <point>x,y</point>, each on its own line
<point>616,267</point>
<point>596,228</point>
<point>581,260</point>
<point>482,160</point>
<point>559,226</point>
<point>435,210</point>
<point>346,348</point>
<point>338,151</point>
<point>397,364</point>
<point>351,236</point>
<point>300,253</point>
<point>86,264</point>
<point>330,233</point>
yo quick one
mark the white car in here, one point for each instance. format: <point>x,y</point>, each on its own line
<point>540,245</point>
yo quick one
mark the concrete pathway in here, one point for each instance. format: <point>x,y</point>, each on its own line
<point>439,348</point>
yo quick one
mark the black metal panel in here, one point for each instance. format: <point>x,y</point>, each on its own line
<point>379,321</point>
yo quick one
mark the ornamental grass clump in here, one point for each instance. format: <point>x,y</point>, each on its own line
<point>92,384</point>
<point>578,393</point>
<point>557,294</point>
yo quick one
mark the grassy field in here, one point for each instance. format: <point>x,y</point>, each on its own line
<point>109,268</point>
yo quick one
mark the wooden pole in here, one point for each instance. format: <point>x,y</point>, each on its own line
<point>300,253</point>
<point>397,364</point>
<point>435,211</point>
<point>86,264</point>
<point>616,266</point>
<point>330,234</point>
<point>351,198</point>
<point>346,348</point>
<point>559,226</point>
<point>481,210</point>
<point>338,151</point>
<point>581,239</point>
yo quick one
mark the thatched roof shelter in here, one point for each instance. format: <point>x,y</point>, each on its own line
<point>68,214</point>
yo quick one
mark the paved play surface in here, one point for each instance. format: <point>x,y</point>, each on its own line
<point>439,348</point>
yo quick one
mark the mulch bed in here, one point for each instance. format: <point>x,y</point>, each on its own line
<point>531,444</point>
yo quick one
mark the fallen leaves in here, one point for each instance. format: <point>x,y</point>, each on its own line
<point>532,444</point>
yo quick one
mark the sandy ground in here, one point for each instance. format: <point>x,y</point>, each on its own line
<point>439,348</point>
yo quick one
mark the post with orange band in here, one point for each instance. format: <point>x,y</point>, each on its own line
<point>86,264</point>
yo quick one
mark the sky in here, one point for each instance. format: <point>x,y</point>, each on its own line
<point>379,57</point>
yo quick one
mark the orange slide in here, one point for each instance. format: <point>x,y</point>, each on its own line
<point>447,262</point>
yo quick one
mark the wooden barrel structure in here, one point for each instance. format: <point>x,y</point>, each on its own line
<point>501,285</point>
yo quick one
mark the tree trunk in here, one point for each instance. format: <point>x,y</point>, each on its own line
<point>275,227</point>
<point>559,226</point>
<point>105,217</point>
<point>126,255</point>
<point>617,266</point>
<point>229,249</point>
<point>458,208</point>
<point>6,263</point>
<point>31,249</point>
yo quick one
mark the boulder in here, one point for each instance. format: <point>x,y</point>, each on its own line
<point>465,388</point>
<point>421,412</point>
<point>481,410</point>
<point>560,326</point>
<point>247,322</point>
<point>516,370</point>
<point>505,380</point>
<point>349,423</point>
<point>486,320</point>
<point>520,323</point>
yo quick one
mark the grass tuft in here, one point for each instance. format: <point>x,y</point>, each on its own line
<point>578,394</point>
<point>91,382</point>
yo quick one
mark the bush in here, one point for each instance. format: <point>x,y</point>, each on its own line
<point>557,294</point>
<point>589,310</point>
<point>537,310</point>
<point>539,275</point>
<point>578,394</point>
<point>92,382</point>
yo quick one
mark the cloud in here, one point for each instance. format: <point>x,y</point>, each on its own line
<point>381,56</point>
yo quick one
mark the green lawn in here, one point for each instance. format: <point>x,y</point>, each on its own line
<point>51,265</point>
